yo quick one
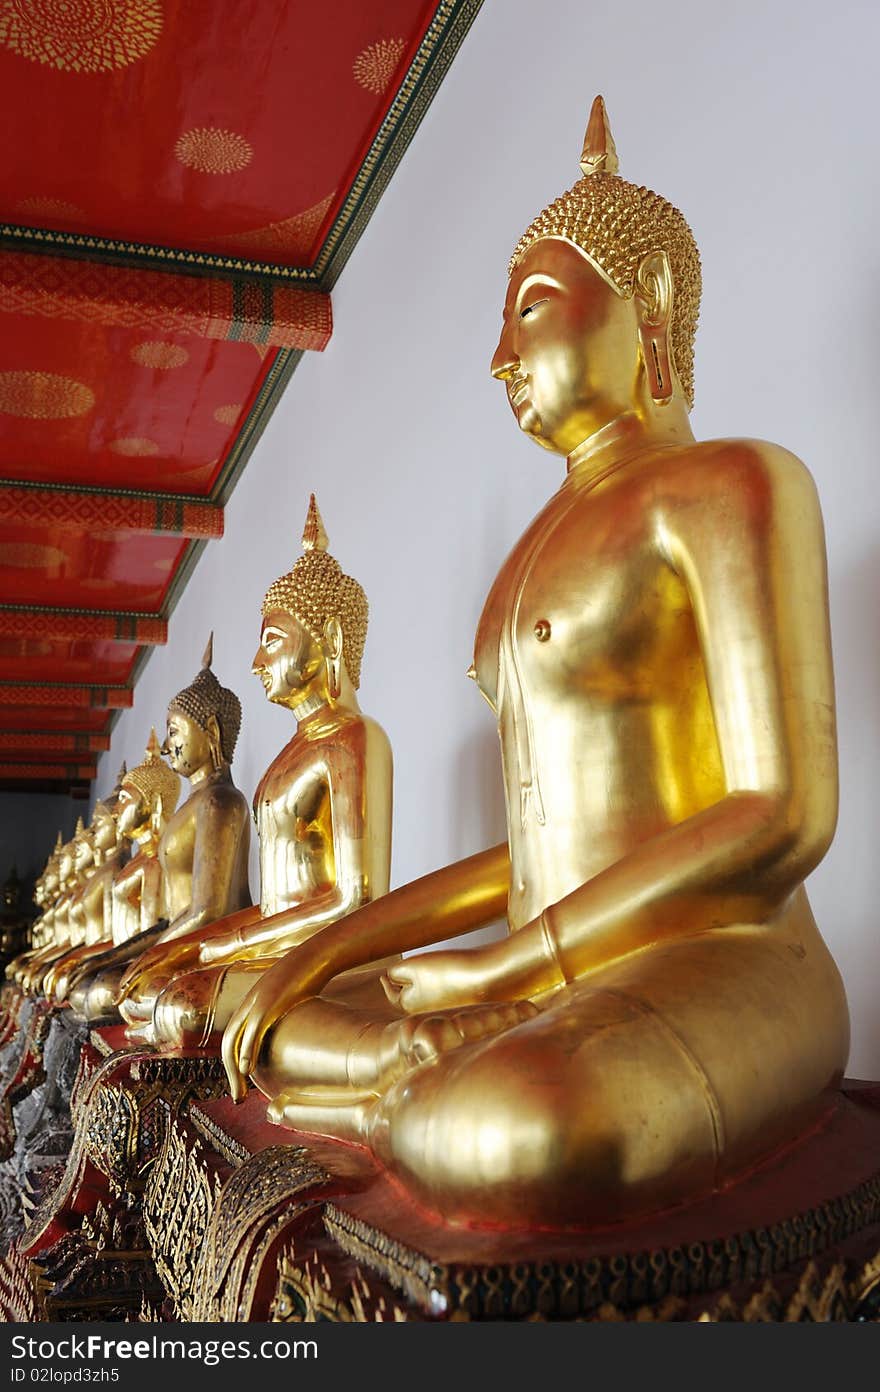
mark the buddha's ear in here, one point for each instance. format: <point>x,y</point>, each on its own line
<point>215,740</point>
<point>332,645</point>
<point>654,301</point>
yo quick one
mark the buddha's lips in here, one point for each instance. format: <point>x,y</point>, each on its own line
<point>516,390</point>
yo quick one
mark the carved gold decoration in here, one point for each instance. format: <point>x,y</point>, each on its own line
<point>213,150</point>
<point>227,415</point>
<point>81,36</point>
<point>55,208</point>
<point>621,1282</point>
<point>375,65</point>
<point>291,236</point>
<point>134,447</point>
<point>43,396</point>
<point>178,1202</point>
<point>159,355</point>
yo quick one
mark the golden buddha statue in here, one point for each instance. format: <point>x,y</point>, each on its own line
<point>205,845</point>
<point>60,941</point>
<point>83,864</point>
<point>147,797</point>
<point>92,909</point>
<point>45,894</point>
<point>664,1012</point>
<point>323,807</point>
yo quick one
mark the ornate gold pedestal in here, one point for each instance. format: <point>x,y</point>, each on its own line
<point>247,1222</point>
<point>89,1253</point>
<point>176,1205</point>
<point>33,1020</point>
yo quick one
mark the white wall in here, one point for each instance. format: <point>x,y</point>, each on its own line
<point>759,120</point>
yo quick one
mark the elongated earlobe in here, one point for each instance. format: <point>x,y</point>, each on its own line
<point>333,656</point>
<point>655,295</point>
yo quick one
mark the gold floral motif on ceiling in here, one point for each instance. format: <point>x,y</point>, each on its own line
<point>81,36</point>
<point>212,150</point>
<point>375,65</point>
<point>159,355</point>
<point>134,446</point>
<point>57,208</point>
<point>43,396</point>
<point>291,236</point>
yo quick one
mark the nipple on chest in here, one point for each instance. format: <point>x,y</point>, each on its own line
<point>542,630</point>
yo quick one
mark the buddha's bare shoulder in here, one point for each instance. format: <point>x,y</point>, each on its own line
<point>223,798</point>
<point>353,731</point>
<point>746,468</point>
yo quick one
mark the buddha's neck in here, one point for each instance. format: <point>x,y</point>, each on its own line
<point>319,704</point>
<point>628,435</point>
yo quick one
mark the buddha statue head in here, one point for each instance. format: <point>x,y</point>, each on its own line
<point>314,626</point>
<point>203,723</point>
<point>83,849</point>
<point>66,864</point>
<point>51,873</point>
<point>103,829</point>
<point>602,305</point>
<point>149,793</point>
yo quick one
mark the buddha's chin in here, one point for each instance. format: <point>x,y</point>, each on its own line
<point>529,420</point>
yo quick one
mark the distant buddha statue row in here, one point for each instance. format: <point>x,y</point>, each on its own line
<point>198,857</point>
<point>664,1012</point>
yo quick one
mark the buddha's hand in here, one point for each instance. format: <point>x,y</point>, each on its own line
<point>299,974</point>
<point>440,980</point>
<point>164,957</point>
<point>421,1038</point>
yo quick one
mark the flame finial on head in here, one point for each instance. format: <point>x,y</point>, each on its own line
<point>599,155</point>
<point>314,537</point>
<point>617,224</point>
<point>208,654</point>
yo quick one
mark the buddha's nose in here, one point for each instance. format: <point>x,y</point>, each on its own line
<point>504,360</point>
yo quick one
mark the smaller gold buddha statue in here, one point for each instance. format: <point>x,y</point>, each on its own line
<point>147,797</point>
<point>39,966</point>
<point>205,846</point>
<point>83,855</point>
<point>45,894</point>
<point>91,910</point>
<point>323,807</point>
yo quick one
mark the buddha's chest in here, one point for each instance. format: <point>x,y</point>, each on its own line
<point>586,601</point>
<point>292,806</point>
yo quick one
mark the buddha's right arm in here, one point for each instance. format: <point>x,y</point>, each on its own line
<point>455,900</point>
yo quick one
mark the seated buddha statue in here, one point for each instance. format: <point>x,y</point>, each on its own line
<point>42,933</point>
<point>147,798</point>
<point>663,1013</point>
<point>91,910</point>
<point>323,807</point>
<point>83,865</point>
<point>205,845</point>
<point>68,881</point>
